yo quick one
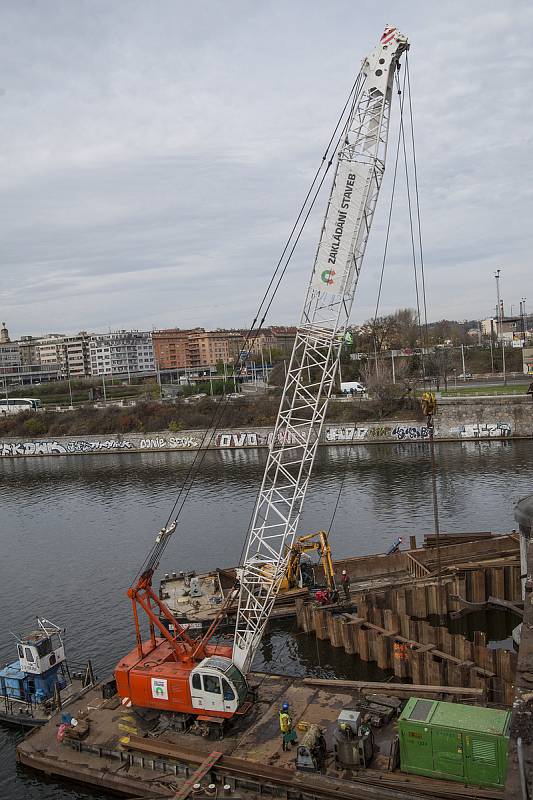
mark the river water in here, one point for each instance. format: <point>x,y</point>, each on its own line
<point>74,531</point>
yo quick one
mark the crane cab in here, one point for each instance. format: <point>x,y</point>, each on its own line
<point>217,685</point>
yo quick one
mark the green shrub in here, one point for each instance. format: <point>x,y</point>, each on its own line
<point>34,426</point>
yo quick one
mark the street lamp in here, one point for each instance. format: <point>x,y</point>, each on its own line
<point>500,324</point>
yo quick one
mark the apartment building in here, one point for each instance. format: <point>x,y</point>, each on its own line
<point>207,348</point>
<point>75,360</point>
<point>28,350</point>
<point>9,351</point>
<point>191,349</point>
<point>121,353</point>
<point>262,341</point>
<point>49,349</point>
<point>171,347</point>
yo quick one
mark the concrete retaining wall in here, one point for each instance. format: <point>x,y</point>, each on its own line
<point>476,418</point>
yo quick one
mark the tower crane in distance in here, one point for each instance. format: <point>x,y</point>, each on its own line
<point>171,671</point>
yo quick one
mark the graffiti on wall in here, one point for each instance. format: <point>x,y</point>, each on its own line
<point>172,442</point>
<point>412,432</point>
<point>346,434</point>
<point>353,433</point>
<point>343,434</point>
<point>485,430</point>
<point>253,439</point>
<point>53,448</point>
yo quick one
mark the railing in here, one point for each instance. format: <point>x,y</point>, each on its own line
<point>415,568</point>
<point>12,706</point>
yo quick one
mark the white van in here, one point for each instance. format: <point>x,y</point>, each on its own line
<point>352,387</point>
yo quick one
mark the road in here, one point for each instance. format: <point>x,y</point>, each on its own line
<point>496,380</point>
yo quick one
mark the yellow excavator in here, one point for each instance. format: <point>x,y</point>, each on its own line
<point>299,572</point>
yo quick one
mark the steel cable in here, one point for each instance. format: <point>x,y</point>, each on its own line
<point>269,295</point>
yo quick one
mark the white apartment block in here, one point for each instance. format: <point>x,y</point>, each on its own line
<point>49,349</point>
<point>121,353</point>
<point>75,356</point>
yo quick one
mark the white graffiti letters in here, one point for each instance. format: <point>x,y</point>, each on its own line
<point>348,434</point>
<point>485,430</point>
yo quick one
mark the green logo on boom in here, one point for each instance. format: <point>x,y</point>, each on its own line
<point>327,276</point>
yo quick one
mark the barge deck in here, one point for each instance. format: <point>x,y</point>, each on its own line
<point>124,753</point>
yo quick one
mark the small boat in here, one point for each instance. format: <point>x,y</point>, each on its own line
<point>40,683</point>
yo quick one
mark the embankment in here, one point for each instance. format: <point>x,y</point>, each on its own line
<point>456,420</point>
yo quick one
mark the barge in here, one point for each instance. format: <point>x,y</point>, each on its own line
<point>195,598</point>
<point>136,753</point>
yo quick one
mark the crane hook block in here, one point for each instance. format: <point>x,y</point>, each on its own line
<point>165,532</point>
<point>428,402</point>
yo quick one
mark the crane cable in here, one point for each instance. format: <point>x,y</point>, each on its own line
<point>431,427</point>
<point>423,339</point>
<point>415,175</point>
<point>400,93</point>
<point>272,288</point>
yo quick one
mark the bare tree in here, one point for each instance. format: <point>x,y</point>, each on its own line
<point>439,365</point>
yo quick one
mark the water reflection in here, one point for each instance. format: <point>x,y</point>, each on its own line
<point>75,529</point>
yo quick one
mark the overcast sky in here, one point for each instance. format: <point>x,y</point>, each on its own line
<point>155,154</point>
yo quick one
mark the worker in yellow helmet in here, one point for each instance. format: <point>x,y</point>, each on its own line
<point>288,733</point>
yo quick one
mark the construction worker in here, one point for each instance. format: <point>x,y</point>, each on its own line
<point>345,583</point>
<point>288,733</point>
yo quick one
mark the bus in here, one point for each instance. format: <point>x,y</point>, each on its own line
<point>12,405</point>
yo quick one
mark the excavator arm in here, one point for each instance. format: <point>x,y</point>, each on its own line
<point>311,543</point>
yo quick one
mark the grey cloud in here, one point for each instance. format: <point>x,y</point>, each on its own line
<point>153,162</point>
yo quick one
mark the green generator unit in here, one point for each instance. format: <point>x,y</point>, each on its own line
<point>455,742</point>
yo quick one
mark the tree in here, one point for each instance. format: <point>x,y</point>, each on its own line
<point>439,365</point>
<point>391,332</point>
<point>374,334</point>
<point>387,396</point>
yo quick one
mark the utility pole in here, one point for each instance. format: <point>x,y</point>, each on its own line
<point>500,324</point>
<point>103,385</point>
<point>492,345</point>
<point>393,369</point>
<point>265,379</point>
<point>463,359</point>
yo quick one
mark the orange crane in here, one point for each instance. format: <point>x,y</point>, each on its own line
<point>171,671</point>
<point>162,672</point>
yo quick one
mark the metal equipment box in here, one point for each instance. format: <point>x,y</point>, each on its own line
<point>455,742</point>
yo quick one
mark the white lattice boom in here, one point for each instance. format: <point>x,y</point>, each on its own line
<point>320,334</point>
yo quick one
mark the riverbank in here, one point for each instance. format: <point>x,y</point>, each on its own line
<point>473,419</point>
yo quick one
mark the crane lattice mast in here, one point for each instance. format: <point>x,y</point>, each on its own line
<point>317,347</point>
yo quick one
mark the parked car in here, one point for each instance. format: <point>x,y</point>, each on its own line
<point>195,398</point>
<point>465,376</point>
<point>234,396</point>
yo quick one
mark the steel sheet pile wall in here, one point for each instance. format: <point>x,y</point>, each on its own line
<point>390,628</point>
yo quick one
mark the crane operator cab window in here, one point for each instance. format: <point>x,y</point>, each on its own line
<point>217,685</point>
